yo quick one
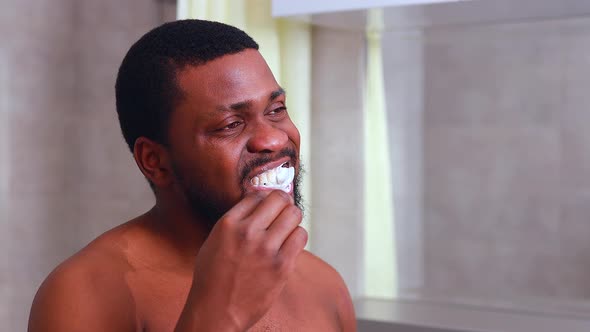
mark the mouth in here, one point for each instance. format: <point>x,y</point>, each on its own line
<point>276,178</point>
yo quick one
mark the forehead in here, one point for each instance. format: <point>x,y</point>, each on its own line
<point>228,79</point>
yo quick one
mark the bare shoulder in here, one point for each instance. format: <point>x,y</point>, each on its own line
<point>319,273</point>
<point>325,280</point>
<point>311,265</point>
<point>87,292</point>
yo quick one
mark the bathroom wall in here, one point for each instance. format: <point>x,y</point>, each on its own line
<point>336,151</point>
<point>338,57</point>
<point>489,138</point>
<point>507,160</point>
<point>65,172</point>
<point>404,78</point>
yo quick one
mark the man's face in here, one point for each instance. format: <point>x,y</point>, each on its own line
<point>230,132</point>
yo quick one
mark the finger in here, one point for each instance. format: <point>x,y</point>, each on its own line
<point>294,244</point>
<point>244,208</point>
<point>282,226</point>
<point>269,209</point>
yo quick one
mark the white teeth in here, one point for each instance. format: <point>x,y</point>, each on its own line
<point>272,176</point>
<point>263,179</point>
<point>276,178</point>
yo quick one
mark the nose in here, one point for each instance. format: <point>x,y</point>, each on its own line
<point>266,137</point>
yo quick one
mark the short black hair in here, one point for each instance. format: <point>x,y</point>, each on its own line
<point>146,89</point>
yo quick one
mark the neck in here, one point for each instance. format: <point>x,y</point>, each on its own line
<point>177,231</point>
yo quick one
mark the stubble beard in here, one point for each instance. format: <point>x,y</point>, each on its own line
<point>209,206</point>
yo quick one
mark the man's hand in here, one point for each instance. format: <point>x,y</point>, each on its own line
<point>244,264</point>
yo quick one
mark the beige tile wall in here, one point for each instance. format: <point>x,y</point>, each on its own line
<point>403,74</point>
<point>507,160</point>
<point>336,151</point>
<point>491,157</point>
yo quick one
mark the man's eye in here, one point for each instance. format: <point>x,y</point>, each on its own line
<point>232,125</point>
<point>278,110</point>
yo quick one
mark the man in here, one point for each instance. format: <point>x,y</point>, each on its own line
<point>222,249</point>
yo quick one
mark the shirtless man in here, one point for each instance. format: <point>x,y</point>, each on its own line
<point>222,249</point>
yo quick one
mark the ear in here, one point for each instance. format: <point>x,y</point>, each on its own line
<point>153,160</point>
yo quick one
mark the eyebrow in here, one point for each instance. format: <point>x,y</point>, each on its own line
<point>248,103</point>
<point>277,93</point>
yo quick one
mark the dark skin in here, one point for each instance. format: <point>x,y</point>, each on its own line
<point>167,270</point>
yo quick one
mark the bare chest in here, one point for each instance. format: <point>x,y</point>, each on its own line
<point>300,314</point>
<point>298,309</point>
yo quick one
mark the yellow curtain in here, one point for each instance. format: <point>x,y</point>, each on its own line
<point>286,46</point>
<point>380,275</point>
